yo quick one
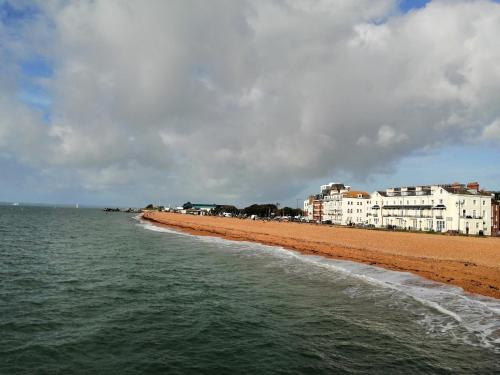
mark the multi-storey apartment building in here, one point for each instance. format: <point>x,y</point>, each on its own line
<point>495,214</point>
<point>332,201</point>
<point>338,204</point>
<point>308,207</point>
<point>442,208</point>
<point>355,207</point>
<point>317,208</point>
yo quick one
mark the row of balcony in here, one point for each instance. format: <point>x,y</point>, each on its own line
<point>429,216</point>
<point>410,216</point>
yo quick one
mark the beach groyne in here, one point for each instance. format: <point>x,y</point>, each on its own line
<point>469,262</point>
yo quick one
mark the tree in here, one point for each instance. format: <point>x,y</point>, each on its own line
<point>219,209</point>
<point>288,211</point>
<point>261,210</point>
<point>187,205</point>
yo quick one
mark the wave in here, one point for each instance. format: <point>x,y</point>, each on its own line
<point>474,318</point>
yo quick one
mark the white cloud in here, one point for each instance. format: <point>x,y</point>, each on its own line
<point>491,133</point>
<point>251,99</point>
<point>387,136</point>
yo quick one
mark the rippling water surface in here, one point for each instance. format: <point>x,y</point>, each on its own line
<point>83,291</point>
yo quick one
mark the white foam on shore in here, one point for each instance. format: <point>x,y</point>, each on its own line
<point>477,317</point>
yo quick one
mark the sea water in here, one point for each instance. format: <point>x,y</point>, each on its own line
<point>84,291</point>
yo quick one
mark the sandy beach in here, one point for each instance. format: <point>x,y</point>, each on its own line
<point>469,262</point>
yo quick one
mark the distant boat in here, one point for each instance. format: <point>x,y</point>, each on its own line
<point>15,204</point>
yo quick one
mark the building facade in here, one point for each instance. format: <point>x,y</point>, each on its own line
<point>495,214</point>
<point>337,204</point>
<point>355,207</point>
<point>332,202</point>
<point>440,208</point>
<point>308,208</point>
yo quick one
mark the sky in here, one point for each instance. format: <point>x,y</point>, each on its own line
<point>123,103</point>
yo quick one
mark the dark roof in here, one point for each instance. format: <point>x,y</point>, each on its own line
<point>204,205</point>
<point>334,187</point>
<point>464,191</point>
<point>455,190</point>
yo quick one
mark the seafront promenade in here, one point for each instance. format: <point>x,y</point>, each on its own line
<point>469,262</point>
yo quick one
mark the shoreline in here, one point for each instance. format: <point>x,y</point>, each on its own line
<point>470,263</point>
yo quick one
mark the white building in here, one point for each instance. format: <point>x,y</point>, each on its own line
<point>308,208</point>
<point>355,208</point>
<point>440,208</point>
<point>337,204</point>
<point>332,202</point>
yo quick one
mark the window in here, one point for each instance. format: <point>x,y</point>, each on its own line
<point>441,201</point>
<point>440,225</point>
<point>474,201</point>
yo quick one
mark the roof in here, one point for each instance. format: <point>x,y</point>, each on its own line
<point>463,191</point>
<point>204,205</point>
<point>355,194</point>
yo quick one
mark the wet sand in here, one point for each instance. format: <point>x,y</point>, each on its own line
<point>469,262</point>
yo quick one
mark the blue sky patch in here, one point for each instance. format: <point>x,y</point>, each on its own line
<point>37,67</point>
<point>11,13</point>
<point>407,5</point>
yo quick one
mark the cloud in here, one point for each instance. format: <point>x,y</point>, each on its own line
<point>387,136</point>
<point>491,133</point>
<point>249,100</point>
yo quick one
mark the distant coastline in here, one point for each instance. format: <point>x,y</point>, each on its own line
<point>470,263</point>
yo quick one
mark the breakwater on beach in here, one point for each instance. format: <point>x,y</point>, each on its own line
<point>85,291</point>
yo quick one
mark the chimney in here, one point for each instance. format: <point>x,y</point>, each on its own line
<point>474,186</point>
<point>456,186</point>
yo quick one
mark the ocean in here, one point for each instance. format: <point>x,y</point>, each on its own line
<point>84,291</point>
